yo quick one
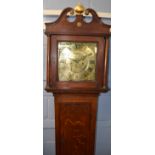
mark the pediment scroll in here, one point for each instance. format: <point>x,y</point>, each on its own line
<point>78,26</point>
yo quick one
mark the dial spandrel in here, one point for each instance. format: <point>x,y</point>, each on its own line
<point>77,61</point>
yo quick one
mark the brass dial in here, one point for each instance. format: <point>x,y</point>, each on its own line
<point>77,61</point>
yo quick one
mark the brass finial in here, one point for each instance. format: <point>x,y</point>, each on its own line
<point>79,8</point>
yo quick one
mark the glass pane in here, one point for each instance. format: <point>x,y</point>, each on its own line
<point>77,61</point>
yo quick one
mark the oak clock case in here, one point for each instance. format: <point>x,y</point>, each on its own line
<point>77,64</point>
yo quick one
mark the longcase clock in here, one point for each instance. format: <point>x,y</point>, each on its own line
<point>77,64</point>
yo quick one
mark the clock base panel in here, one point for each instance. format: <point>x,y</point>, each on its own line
<point>75,116</point>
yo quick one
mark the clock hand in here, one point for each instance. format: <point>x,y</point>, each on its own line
<point>75,60</point>
<point>86,56</point>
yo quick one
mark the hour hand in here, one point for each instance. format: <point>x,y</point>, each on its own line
<point>75,60</point>
<point>89,54</point>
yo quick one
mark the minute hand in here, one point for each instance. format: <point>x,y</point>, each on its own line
<point>85,56</point>
<point>75,60</point>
